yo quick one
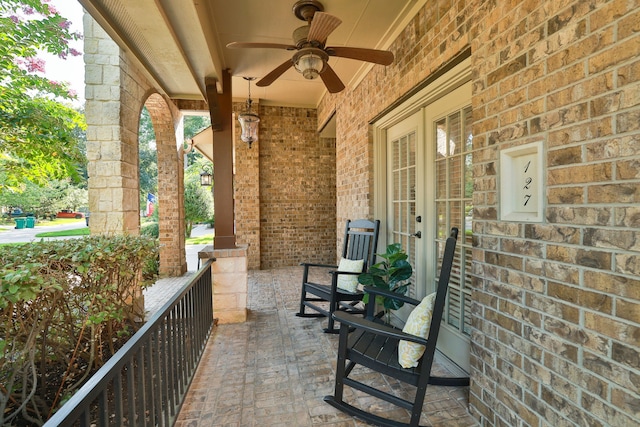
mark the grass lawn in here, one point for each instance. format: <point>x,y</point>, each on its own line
<point>84,231</point>
<point>58,221</point>
<point>207,239</point>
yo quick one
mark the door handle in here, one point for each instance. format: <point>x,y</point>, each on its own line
<point>417,234</point>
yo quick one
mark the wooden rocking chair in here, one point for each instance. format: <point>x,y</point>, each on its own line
<point>360,243</point>
<point>375,346</point>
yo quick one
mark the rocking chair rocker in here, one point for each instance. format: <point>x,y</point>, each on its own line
<point>375,346</point>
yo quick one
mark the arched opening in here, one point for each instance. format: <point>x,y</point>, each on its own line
<point>148,175</point>
<point>170,186</point>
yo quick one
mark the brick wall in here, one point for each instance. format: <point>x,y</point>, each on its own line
<point>246,187</point>
<point>297,188</point>
<point>434,36</point>
<point>556,323</point>
<point>170,160</point>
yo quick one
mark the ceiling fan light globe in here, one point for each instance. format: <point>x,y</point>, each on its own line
<point>310,66</point>
<point>310,74</point>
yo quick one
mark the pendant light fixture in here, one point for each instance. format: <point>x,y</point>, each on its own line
<point>249,120</point>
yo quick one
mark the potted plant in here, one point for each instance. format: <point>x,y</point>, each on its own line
<point>390,274</point>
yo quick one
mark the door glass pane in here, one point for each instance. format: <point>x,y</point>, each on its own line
<point>468,136</point>
<point>441,216</point>
<point>441,178</point>
<point>441,139</point>
<point>404,197</point>
<point>468,176</point>
<point>454,191</point>
<point>454,174</point>
<point>468,221</point>
<point>455,134</point>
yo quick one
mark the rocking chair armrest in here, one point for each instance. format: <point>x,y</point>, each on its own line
<point>349,320</point>
<point>390,294</point>
<point>352,273</point>
<point>310,264</point>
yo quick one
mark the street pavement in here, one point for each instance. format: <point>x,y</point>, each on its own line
<point>192,250</point>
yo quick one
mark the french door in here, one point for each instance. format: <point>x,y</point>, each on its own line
<point>429,189</point>
<point>448,122</point>
<point>404,190</point>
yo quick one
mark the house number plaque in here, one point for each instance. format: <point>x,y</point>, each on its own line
<point>521,183</point>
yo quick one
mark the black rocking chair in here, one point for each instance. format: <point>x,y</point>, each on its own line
<point>360,243</point>
<point>375,346</point>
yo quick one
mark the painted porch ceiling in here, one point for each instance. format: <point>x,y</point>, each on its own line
<point>180,43</point>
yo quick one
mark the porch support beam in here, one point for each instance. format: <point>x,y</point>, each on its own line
<point>220,106</point>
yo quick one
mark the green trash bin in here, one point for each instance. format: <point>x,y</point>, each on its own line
<point>21,222</point>
<point>31,221</point>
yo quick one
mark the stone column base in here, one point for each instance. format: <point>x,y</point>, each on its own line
<point>229,280</point>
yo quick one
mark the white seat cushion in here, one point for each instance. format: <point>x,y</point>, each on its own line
<point>349,282</point>
<point>418,324</point>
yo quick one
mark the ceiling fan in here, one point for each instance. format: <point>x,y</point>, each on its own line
<point>312,56</point>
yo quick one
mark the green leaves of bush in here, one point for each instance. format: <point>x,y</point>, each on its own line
<point>64,305</point>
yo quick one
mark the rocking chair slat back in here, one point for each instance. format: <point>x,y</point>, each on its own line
<point>361,241</point>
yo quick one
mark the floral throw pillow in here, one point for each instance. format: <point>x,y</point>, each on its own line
<point>417,324</point>
<point>349,282</point>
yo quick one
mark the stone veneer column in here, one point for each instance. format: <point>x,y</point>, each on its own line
<point>115,93</point>
<point>112,155</point>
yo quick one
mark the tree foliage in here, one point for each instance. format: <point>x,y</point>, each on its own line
<point>147,157</point>
<point>38,133</point>
<point>198,200</point>
<point>148,160</point>
<point>192,126</point>
<point>47,200</point>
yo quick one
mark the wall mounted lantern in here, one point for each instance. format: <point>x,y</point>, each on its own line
<point>206,178</point>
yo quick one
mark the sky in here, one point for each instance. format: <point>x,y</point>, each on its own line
<point>69,70</point>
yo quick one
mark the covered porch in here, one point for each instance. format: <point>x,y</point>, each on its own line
<point>544,310</point>
<point>275,368</point>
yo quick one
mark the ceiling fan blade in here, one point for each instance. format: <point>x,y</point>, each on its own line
<point>382,57</point>
<point>242,45</point>
<point>277,72</point>
<point>322,25</point>
<point>331,79</point>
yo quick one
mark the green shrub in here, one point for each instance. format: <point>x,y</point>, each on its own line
<point>151,229</point>
<point>65,306</point>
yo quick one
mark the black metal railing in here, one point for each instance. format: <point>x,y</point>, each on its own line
<point>145,382</point>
